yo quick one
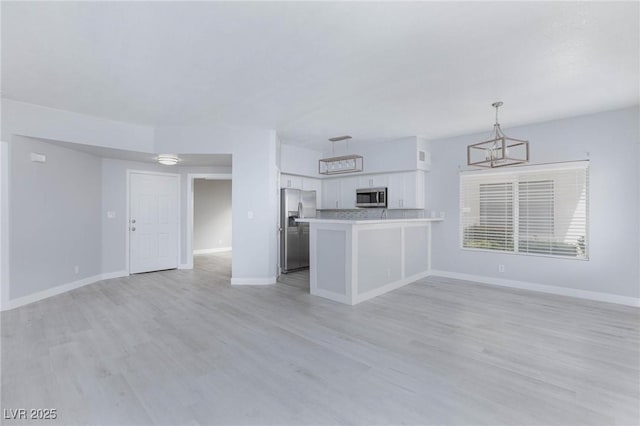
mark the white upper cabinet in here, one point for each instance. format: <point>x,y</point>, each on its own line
<point>395,191</point>
<point>414,190</point>
<point>339,193</point>
<point>310,184</point>
<point>305,183</point>
<point>290,181</point>
<point>406,190</point>
<point>330,194</point>
<point>348,193</point>
<point>398,165</point>
<point>373,181</point>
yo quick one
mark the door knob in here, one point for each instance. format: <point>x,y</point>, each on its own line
<point>133,228</point>
<point>133,221</point>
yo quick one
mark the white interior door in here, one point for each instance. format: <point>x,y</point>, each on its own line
<point>153,222</point>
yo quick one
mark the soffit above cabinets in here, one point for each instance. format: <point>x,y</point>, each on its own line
<point>186,160</point>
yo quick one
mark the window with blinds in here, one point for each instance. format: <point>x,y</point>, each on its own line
<point>539,210</point>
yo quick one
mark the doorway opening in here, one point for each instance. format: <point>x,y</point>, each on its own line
<point>209,215</point>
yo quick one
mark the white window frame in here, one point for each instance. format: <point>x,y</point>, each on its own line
<point>516,204</point>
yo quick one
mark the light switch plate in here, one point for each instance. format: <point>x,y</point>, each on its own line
<point>111,214</point>
<point>249,215</point>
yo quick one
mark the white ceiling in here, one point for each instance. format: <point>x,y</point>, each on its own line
<point>185,160</point>
<point>316,70</point>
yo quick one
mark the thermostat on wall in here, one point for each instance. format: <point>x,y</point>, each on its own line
<point>38,158</point>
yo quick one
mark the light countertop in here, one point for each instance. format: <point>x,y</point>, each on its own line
<point>368,221</point>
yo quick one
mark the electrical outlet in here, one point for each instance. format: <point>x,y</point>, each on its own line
<point>501,269</point>
<point>76,269</point>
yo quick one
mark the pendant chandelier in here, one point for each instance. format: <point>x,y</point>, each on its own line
<point>499,151</point>
<point>351,163</point>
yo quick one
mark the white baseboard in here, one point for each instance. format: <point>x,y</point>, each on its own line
<point>336,297</point>
<point>185,266</point>
<point>50,292</point>
<point>212,250</point>
<point>63,288</point>
<point>543,288</point>
<point>389,287</point>
<point>358,298</point>
<point>253,281</point>
<point>116,274</point>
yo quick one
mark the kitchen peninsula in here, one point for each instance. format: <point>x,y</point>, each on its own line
<point>354,260</point>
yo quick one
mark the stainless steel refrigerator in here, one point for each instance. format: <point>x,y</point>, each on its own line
<point>294,236</point>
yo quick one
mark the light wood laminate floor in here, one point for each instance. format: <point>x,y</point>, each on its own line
<point>298,279</point>
<point>185,347</point>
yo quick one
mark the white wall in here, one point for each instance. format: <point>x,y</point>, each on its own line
<point>4,223</point>
<point>255,173</point>
<point>379,157</point>
<point>54,217</point>
<point>611,138</point>
<point>58,217</point>
<point>20,118</point>
<point>610,141</point>
<point>382,157</point>
<point>299,161</point>
<point>424,145</point>
<point>211,214</point>
<point>254,191</point>
<point>114,190</point>
<point>255,195</point>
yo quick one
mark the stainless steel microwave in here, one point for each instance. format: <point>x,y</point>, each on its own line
<point>371,197</point>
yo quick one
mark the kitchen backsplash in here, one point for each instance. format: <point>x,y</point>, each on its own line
<point>370,214</point>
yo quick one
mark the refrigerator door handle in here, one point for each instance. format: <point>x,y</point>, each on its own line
<point>300,211</point>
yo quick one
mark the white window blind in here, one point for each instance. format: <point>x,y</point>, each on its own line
<point>539,210</point>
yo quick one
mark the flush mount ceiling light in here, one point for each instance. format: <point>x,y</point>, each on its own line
<point>499,151</point>
<point>345,164</point>
<point>168,159</point>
